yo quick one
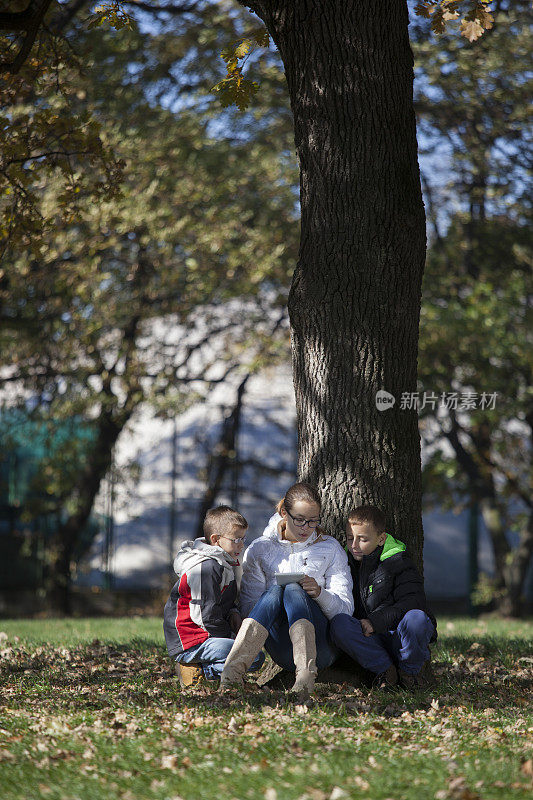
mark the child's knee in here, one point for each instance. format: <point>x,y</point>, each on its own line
<point>415,621</point>
<point>275,592</point>
<point>342,625</point>
<point>293,590</point>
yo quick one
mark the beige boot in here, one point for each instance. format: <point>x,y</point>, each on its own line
<point>302,633</point>
<point>248,644</point>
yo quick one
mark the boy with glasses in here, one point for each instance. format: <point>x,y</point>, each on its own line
<point>201,618</point>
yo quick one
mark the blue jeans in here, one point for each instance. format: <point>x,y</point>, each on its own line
<point>211,655</point>
<point>407,646</point>
<point>280,607</point>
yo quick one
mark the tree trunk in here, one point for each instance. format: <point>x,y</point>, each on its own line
<point>221,459</point>
<point>511,604</point>
<point>494,522</point>
<point>510,565</point>
<point>355,299</point>
<point>91,474</point>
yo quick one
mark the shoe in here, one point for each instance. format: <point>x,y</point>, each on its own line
<point>191,675</point>
<point>426,675</point>
<point>422,680</point>
<point>302,633</point>
<point>248,643</point>
<point>387,679</point>
<point>427,671</point>
<point>407,681</point>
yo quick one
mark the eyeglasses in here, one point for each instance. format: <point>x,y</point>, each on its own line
<point>237,541</point>
<point>301,523</point>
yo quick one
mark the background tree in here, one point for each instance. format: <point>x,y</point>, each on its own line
<point>129,303</point>
<point>476,313</point>
<point>354,301</point>
<point>357,285</point>
<point>475,344</point>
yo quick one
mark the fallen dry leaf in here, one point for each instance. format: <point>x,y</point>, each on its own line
<point>169,762</point>
<point>251,730</point>
<point>316,794</point>
<point>527,767</point>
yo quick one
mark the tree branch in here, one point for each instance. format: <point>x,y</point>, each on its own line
<point>171,8</point>
<point>29,20</point>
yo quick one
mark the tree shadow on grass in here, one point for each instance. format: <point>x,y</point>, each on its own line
<point>449,692</point>
<point>495,672</point>
<point>476,675</point>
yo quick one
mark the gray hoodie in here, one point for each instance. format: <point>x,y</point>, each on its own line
<point>202,598</point>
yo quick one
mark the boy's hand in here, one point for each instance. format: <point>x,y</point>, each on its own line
<point>235,621</point>
<point>367,627</point>
<point>310,586</point>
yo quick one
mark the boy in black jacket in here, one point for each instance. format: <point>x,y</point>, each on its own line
<point>392,627</point>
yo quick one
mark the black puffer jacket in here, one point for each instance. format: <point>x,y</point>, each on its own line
<point>386,585</point>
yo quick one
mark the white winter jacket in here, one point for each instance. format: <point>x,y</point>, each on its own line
<point>321,557</point>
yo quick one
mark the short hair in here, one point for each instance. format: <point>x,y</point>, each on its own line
<point>299,491</point>
<point>221,519</point>
<point>371,514</point>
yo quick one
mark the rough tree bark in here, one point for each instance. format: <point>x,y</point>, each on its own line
<point>355,298</point>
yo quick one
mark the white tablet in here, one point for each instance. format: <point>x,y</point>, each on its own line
<point>283,578</point>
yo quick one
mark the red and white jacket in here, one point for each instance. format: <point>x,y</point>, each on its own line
<point>202,598</point>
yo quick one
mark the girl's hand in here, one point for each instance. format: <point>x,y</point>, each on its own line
<point>310,586</point>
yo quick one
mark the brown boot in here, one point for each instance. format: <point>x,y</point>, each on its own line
<point>191,675</point>
<point>248,644</point>
<point>386,680</point>
<point>302,633</point>
<point>427,676</point>
<point>411,682</point>
<point>422,680</point>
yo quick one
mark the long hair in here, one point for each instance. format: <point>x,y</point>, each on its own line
<point>299,491</point>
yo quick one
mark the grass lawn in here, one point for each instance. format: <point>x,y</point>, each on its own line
<point>91,709</point>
